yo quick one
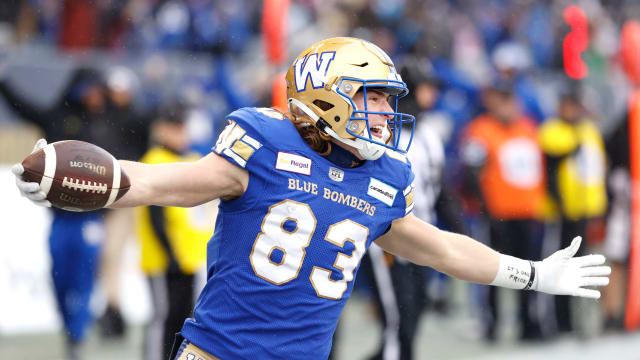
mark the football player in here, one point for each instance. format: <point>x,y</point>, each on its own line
<point>304,194</point>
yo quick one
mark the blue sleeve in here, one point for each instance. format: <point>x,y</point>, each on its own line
<point>408,193</point>
<point>401,182</point>
<point>241,139</point>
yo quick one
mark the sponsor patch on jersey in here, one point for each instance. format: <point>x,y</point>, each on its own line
<point>336,174</point>
<point>382,191</point>
<point>293,163</point>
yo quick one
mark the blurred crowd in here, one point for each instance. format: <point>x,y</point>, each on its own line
<point>470,44</point>
<point>519,135</point>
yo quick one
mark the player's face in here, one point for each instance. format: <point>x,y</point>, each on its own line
<point>377,101</point>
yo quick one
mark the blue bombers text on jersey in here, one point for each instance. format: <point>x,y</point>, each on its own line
<point>283,257</point>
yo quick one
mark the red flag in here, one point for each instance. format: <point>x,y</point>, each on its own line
<point>274,29</point>
<point>279,92</point>
<point>575,42</point>
<point>632,311</point>
<point>630,50</point>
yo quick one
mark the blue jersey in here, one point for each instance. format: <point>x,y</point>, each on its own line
<point>284,255</point>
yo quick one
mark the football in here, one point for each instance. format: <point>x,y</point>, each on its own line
<point>76,175</point>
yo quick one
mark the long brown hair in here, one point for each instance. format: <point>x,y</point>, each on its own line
<point>319,141</point>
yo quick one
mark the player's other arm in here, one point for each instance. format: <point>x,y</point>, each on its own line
<point>462,257</point>
<point>451,253</point>
<point>182,183</point>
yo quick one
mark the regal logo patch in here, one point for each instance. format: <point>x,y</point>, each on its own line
<point>293,163</point>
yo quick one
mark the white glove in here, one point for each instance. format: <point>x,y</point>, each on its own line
<point>562,274</point>
<point>31,190</point>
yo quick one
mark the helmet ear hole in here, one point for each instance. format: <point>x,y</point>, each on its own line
<point>325,106</point>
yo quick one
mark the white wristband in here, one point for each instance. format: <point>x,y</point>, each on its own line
<point>515,273</point>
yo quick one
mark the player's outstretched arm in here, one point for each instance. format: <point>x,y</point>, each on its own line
<point>173,184</point>
<point>183,183</point>
<point>466,259</point>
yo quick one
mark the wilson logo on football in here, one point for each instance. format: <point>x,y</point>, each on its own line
<point>98,169</point>
<point>69,199</point>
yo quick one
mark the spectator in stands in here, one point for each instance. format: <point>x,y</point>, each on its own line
<point>172,246</point>
<point>125,134</point>
<point>75,239</point>
<point>618,234</point>
<point>81,105</point>
<point>504,172</point>
<point>512,60</point>
<point>576,183</point>
<point>129,126</point>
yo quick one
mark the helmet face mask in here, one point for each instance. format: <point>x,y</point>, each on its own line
<point>360,117</point>
<point>323,81</point>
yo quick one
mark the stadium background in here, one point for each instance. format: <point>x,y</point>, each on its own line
<point>213,56</point>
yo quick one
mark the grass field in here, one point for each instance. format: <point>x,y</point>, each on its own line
<point>455,336</point>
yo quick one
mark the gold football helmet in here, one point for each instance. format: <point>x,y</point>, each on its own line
<point>321,84</point>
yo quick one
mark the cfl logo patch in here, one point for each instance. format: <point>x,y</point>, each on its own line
<point>192,357</point>
<point>314,66</point>
<point>336,174</point>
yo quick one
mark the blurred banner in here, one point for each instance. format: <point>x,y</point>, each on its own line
<point>27,303</point>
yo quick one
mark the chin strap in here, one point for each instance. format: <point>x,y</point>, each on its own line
<point>300,105</point>
<point>366,149</point>
<point>372,151</point>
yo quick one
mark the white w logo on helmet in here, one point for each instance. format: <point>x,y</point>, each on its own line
<point>310,65</point>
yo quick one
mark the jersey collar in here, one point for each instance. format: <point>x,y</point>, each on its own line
<point>343,158</point>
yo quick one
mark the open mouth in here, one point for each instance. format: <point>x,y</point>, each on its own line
<point>377,131</point>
